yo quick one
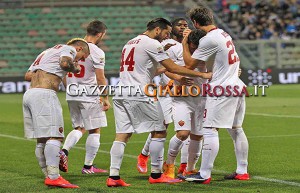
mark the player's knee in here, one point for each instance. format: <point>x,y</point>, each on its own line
<point>159,134</point>
<point>81,129</point>
<point>56,138</point>
<point>196,137</point>
<point>123,137</point>
<point>182,134</point>
<point>210,132</point>
<point>94,131</point>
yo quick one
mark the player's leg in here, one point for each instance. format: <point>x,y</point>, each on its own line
<point>77,123</point>
<point>40,156</point>
<point>116,155</point>
<point>182,123</point>
<point>124,130</point>
<point>93,118</point>
<point>29,133</point>
<point>240,142</point>
<point>184,156</point>
<point>74,136</point>
<point>196,136</point>
<point>166,104</point>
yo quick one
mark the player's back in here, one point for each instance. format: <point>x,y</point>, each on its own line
<point>48,60</point>
<point>140,58</point>
<point>225,61</point>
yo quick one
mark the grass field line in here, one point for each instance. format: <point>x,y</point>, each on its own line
<point>135,157</point>
<point>272,115</point>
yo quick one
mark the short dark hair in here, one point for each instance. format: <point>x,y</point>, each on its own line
<point>195,36</point>
<point>160,22</point>
<point>95,27</point>
<point>175,21</point>
<point>202,15</point>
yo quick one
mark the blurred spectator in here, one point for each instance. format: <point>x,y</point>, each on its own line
<point>268,19</point>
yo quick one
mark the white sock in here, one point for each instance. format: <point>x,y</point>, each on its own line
<point>241,148</point>
<point>40,156</point>
<point>210,150</point>
<point>174,147</point>
<point>72,138</point>
<point>91,146</point>
<point>116,157</point>
<point>184,151</point>
<point>194,152</point>
<point>51,152</point>
<point>156,149</point>
<point>145,150</point>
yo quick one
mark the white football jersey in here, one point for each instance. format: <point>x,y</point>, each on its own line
<point>49,59</point>
<point>140,59</point>
<point>164,80</point>
<point>218,51</point>
<point>86,77</point>
<point>176,53</point>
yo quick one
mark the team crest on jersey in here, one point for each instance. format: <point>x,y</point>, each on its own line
<point>181,123</point>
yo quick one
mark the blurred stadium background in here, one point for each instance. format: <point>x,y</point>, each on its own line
<point>266,33</point>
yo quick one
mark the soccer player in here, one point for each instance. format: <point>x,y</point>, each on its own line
<point>139,113</point>
<point>87,112</point>
<point>187,115</point>
<point>217,50</point>
<point>178,26</point>
<point>43,119</point>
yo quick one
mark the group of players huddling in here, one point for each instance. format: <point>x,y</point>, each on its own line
<point>181,57</point>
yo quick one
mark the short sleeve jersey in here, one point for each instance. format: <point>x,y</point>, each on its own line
<point>218,51</point>
<point>140,59</point>
<point>49,60</point>
<point>86,76</point>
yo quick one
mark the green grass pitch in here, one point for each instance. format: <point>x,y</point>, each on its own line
<point>272,124</point>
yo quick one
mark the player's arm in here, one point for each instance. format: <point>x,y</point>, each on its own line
<point>160,70</point>
<point>181,79</point>
<point>66,63</point>
<point>101,81</point>
<point>189,62</point>
<point>64,81</point>
<point>28,75</point>
<point>173,68</point>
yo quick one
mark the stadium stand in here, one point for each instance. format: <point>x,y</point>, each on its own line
<point>26,32</point>
<point>28,27</point>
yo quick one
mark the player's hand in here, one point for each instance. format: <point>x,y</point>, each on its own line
<point>77,67</point>
<point>240,72</point>
<point>206,75</point>
<point>106,104</point>
<point>186,33</point>
<point>167,46</point>
<point>186,81</point>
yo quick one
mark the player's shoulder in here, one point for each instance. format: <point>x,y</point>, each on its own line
<point>169,41</point>
<point>95,50</point>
